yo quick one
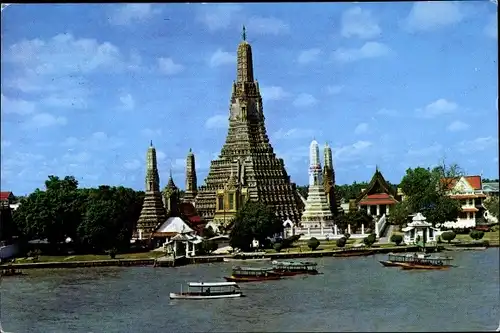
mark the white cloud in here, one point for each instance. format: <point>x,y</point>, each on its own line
<point>273,93</point>
<point>96,141</point>
<point>168,67</point>
<point>437,108</point>
<point>334,90</point>
<point>6,143</point>
<point>17,106</point>
<point>478,144</point>
<point>42,120</point>
<point>430,15</point>
<point>357,22</point>
<point>367,51</point>
<point>127,102</point>
<point>457,126</point>
<point>160,155</point>
<point>222,58</point>
<point>491,28</point>
<point>361,128</point>
<point>388,112</point>
<point>351,152</point>
<point>218,16</point>
<point>304,100</point>
<point>149,132</point>
<point>217,122</point>
<point>427,151</point>
<point>133,164</point>
<point>295,133</point>
<point>267,26</point>
<point>80,157</point>
<point>133,13</point>
<point>308,56</point>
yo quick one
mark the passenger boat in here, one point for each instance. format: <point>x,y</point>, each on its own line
<point>354,252</point>
<point>417,261</point>
<point>290,268</point>
<point>209,290</point>
<point>250,274</point>
<point>10,272</point>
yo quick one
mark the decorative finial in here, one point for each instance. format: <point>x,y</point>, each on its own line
<point>170,172</point>
<point>190,150</point>
<point>376,167</point>
<point>151,143</point>
<point>244,34</point>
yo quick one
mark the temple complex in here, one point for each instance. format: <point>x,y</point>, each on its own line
<point>191,180</point>
<point>317,213</point>
<point>378,197</point>
<point>247,167</point>
<point>329,182</point>
<point>153,211</point>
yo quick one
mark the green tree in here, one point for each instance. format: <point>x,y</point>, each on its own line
<point>254,221</point>
<point>396,239</point>
<point>492,205</point>
<point>448,236</point>
<point>278,246</point>
<point>426,192</point>
<point>399,214</point>
<point>7,227</point>
<point>313,243</point>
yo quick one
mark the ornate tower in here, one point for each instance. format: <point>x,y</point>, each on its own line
<point>317,212</point>
<point>191,181</point>
<point>329,182</point>
<point>172,197</point>
<point>262,174</point>
<point>153,212</point>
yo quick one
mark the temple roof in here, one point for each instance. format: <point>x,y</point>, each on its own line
<point>473,181</point>
<point>378,185</point>
<point>171,183</point>
<point>378,199</point>
<point>175,225</point>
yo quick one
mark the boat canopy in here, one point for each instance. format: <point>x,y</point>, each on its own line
<point>251,269</point>
<point>212,284</point>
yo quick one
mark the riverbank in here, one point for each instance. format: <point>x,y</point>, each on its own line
<point>203,259</point>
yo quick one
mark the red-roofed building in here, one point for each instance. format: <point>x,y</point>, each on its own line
<point>378,197</point>
<point>468,190</point>
<point>6,198</point>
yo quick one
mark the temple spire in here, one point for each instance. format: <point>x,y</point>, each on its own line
<point>151,143</point>
<point>244,34</point>
<point>244,60</point>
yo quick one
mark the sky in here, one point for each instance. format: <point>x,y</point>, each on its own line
<point>85,87</point>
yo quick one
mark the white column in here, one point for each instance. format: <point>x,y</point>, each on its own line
<point>335,230</point>
<point>376,228</point>
<point>193,253</point>
<point>349,229</point>
<point>362,228</point>
<point>378,210</point>
<point>387,209</point>
<point>321,225</point>
<point>368,210</point>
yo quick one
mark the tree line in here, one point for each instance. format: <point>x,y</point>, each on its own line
<point>95,219</point>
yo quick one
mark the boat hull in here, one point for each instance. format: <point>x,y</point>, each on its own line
<point>199,296</point>
<point>293,273</point>
<point>251,278</point>
<point>420,266</point>
<point>355,254</point>
<point>388,263</point>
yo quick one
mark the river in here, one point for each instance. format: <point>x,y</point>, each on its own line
<point>353,294</point>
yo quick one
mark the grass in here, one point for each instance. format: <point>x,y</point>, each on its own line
<point>330,245</point>
<point>90,257</point>
<point>492,237</point>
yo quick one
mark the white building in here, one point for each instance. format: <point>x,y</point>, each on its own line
<point>419,229</point>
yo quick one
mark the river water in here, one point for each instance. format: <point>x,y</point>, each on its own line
<point>353,294</point>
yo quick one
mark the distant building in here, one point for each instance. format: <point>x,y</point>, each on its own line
<point>468,191</point>
<point>6,199</point>
<point>491,188</point>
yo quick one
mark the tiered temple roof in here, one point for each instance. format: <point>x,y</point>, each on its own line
<point>378,192</point>
<point>153,212</point>
<point>247,142</point>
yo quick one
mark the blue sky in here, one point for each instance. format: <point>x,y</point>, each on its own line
<point>398,85</point>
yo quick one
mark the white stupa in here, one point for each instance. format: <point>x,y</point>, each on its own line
<point>317,213</point>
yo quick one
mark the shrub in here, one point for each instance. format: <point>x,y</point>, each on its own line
<point>396,239</point>
<point>370,240</point>
<point>208,246</point>
<point>476,234</point>
<point>495,227</point>
<point>448,236</point>
<point>486,243</point>
<point>278,246</point>
<point>313,243</point>
<point>288,242</point>
<point>112,253</point>
<point>341,242</point>
<point>347,235</point>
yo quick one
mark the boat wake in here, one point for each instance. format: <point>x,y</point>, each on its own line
<point>1,329</point>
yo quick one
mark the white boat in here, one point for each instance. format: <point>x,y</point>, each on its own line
<point>209,290</point>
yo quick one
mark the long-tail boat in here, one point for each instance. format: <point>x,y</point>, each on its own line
<point>290,268</point>
<point>251,274</point>
<point>417,261</point>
